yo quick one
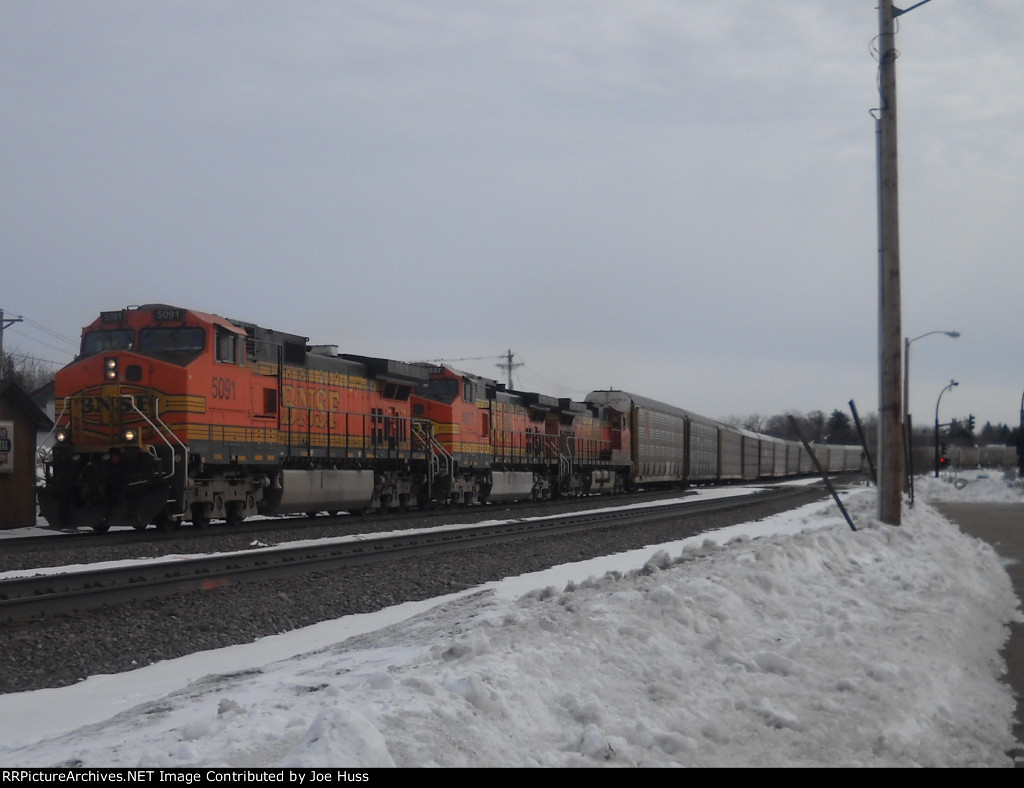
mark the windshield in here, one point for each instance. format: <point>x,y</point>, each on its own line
<point>100,341</point>
<point>443,390</point>
<point>170,340</point>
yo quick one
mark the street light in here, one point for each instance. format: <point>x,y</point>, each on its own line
<point>906,367</point>
<point>951,384</point>
<point>908,482</point>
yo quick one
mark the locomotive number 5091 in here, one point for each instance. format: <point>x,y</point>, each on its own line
<point>224,388</point>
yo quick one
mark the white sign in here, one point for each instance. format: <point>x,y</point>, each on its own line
<point>6,446</point>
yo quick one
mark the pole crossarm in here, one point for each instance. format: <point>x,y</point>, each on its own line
<point>900,12</point>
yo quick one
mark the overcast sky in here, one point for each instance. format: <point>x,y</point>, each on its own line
<point>675,198</point>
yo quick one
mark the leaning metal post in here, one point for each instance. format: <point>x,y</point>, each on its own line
<point>864,442</point>
<point>824,474</point>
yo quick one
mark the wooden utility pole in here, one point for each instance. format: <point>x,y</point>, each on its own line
<point>890,430</point>
<point>5,323</point>
<point>510,365</point>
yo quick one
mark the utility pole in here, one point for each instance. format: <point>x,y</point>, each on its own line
<point>890,431</point>
<point>508,366</point>
<point>5,323</point>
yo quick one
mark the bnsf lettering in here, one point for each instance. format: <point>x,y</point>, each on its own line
<point>101,405</point>
<point>311,407</point>
<point>224,388</point>
<point>311,399</point>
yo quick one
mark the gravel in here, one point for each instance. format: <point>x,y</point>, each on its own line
<point>60,650</point>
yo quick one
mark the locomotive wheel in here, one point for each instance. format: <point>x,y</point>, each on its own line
<point>234,513</point>
<point>201,515</point>
<point>165,522</point>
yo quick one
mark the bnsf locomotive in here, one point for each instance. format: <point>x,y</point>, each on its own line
<point>171,415</point>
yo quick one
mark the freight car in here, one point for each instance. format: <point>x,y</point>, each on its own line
<point>672,445</point>
<point>170,415</point>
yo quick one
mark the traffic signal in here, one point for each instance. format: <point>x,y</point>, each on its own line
<point>972,423</point>
<point>942,457</point>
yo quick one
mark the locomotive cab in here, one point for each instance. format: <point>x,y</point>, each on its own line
<point>121,439</point>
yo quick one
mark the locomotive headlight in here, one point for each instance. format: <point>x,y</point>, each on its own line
<point>61,436</point>
<point>110,368</point>
<point>130,435</point>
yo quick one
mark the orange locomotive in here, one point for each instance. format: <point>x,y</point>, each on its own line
<point>171,414</point>
<point>493,444</point>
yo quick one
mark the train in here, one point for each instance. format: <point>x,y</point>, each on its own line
<point>171,415</point>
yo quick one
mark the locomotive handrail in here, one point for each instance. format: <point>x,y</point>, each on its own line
<point>436,451</point>
<point>564,461</point>
<point>56,422</point>
<point>152,426</point>
<point>368,435</point>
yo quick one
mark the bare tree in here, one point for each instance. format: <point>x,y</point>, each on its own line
<point>29,372</point>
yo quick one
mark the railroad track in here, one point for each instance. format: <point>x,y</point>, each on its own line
<point>47,594</point>
<point>297,524</point>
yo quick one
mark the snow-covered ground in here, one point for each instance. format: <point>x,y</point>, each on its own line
<point>792,641</point>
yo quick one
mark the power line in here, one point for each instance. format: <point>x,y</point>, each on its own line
<point>506,361</point>
<point>27,357</point>
<point>466,358</point>
<point>40,342</point>
<point>531,372</point>
<point>50,332</point>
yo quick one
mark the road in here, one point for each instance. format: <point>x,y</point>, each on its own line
<point>1002,526</point>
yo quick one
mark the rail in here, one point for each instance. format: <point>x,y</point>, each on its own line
<point>24,597</point>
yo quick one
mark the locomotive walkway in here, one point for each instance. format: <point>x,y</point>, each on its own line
<point>1002,526</point>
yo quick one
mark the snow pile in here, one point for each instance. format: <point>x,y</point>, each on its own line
<point>817,646</point>
<point>971,486</point>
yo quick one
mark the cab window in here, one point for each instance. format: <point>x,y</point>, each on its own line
<point>440,390</point>
<point>172,340</point>
<point>227,345</point>
<point>101,341</point>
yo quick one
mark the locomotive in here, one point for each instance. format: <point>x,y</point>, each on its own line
<point>170,415</point>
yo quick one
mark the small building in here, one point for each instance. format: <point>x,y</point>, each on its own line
<point>20,420</point>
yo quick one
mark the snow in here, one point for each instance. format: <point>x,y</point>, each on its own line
<point>792,641</point>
